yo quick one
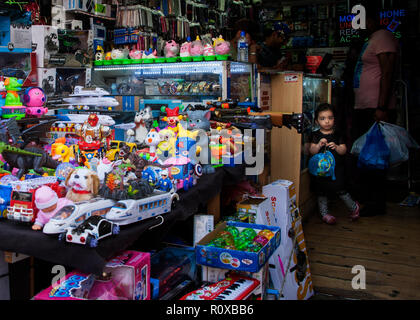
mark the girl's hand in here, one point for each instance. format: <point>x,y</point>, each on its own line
<point>323,142</point>
<point>332,145</point>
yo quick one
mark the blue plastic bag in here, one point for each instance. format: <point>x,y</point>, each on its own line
<point>375,152</point>
<point>322,165</point>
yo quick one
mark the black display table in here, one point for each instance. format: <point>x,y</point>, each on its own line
<point>20,238</point>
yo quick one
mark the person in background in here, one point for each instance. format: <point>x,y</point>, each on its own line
<point>373,84</point>
<point>327,137</point>
<point>251,34</point>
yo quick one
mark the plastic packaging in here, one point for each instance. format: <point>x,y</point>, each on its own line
<point>242,48</point>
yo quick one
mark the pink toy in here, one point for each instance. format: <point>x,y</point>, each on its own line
<point>48,203</point>
<point>221,46</point>
<point>197,48</point>
<point>171,49</point>
<point>34,99</point>
<point>185,50</point>
<point>208,50</point>
<point>135,54</point>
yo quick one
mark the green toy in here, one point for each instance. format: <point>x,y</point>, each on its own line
<point>12,86</point>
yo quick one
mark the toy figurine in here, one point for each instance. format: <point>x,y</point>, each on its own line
<point>221,47</point>
<point>199,119</point>
<point>164,183</point>
<point>100,54</point>
<point>152,140</point>
<point>196,47</point>
<point>171,49</point>
<point>48,203</point>
<point>108,56</point>
<point>143,121</point>
<point>61,152</point>
<point>92,133</point>
<point>34,98</point>
<point>149,54</point>
<point>185,50</point>
<point>12,86</point>
<point>135,53</point>
<point>83,185</point>
<point>172,118</point>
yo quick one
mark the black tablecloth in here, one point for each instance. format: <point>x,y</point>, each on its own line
<point>22,239</point>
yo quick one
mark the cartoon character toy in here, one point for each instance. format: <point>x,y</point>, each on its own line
<point>185,50</point>
<point>164,183</point>
<point>12,105</point>
<point>100,54</point>
<point>221,47</point>
<point>171,49</point>
<point>197,47</point>
<point>172,118</point>
<point>143,121</point>
<point>152,140</point>
<point>149,54</point>
<point>208,50</point>
<point>61,152</point>
<point>92,134</point>
<point>34,99</point>
<point>119,54</point>
<point>135,53</point>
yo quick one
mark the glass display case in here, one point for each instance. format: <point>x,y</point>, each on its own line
<point>188,81</point>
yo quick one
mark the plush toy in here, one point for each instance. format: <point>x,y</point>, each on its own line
<point>48,203</point>
<point>221,46</point>
<point>83,185</point>
<point>197,47</point>
<point>34,99</point>
<point>119,54</point>
<point>185,50</point>
<point>143,121</point>
<point>171,49</point>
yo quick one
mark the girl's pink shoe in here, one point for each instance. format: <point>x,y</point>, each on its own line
<point>329,219</point>
<point>356,212</point>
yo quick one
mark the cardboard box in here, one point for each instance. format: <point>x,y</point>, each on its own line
<point>235,259</point>
<point>74,286</point>
<point>284,214</point>
<point>58,17</point>
<point>297,284</point>
<point>45,43</point>
<point>203,225</point>
<point>252,208</point>
<point>213,275</point>
<point>47,80</point>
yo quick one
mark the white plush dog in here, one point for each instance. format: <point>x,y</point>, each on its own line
<point>83,185</point>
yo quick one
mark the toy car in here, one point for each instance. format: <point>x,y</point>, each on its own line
<point>90,231</point>
<point>114,149</point>
<point>129,211</point>
<point>73,215</point>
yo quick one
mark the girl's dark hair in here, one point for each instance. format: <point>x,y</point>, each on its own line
<point>324,107</point>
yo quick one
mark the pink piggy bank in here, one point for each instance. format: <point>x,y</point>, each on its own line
<point>171,49</point>
<point>185,49</point>
<point>197,48</point>
<point>221,46</point>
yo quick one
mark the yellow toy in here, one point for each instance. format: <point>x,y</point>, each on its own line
<point>61,152</point>
<point>115,145</point>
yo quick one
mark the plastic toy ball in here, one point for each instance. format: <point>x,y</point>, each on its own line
<point>63,170</point>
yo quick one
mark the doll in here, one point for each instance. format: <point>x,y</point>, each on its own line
<point>48,203</point>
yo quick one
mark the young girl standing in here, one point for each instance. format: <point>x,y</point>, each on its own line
<point>327,138</point>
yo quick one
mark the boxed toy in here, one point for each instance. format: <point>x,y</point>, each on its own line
<point>209,255</point>
<point>47,79</point>
<point>130,278</point>
<point>254,207</point>
<point>213,275</point>
<point>68,78</point>
<point>285,214</point>
<point>45,43</point>
<point>170,268</point>
<point>203,224</point>
<point>74,286</point>
<point>297,283</point>
<point>75,49</point>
